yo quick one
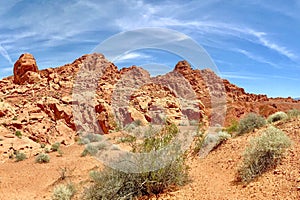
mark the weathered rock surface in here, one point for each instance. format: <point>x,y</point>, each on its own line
<point>25,70</point>
<point>42,112</point>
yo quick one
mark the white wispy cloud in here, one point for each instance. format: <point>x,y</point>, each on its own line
<point>131,57</point>
<point>153,16</point>
<point>247,76</point>
<point>255,57</point>
<point>5,54</point>
<point>262,40</point>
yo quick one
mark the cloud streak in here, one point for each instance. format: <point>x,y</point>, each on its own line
<point>131,57</point>
<point>255,57</point>
<point>5,54</point>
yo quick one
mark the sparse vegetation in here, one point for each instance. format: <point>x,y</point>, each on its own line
<point>233,127</point>
<point>60,152</point>
<point>278,116</point>
<point>18,134</point>
<point>42,158</point>
<point>20,156</point>
<point>263,153</point>
<point>55,146</point>
<point>127,139</point>
<point>211,141</point>
<point>89,150</point>
<point>199,138</point>
<point>65,172</point>
<point>47,150</point>
<point>113,184</point>
<point>90,138</point>
<point>293,113</point>
<point>64,192</point>
<point>250,122</point>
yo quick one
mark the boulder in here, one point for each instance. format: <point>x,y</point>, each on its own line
<point>25,63</point>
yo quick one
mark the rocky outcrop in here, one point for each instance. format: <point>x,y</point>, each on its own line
<point>43,112</point>
<point>25,70</point>
<point>207,84</point>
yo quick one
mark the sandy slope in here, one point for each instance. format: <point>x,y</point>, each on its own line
<point>211,178</point>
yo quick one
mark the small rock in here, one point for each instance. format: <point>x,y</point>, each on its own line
<point>9,136</point>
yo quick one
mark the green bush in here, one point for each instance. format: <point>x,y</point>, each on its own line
<point>293,113</point>
<point>18,134</point>
<point>20,156</point>
<point>263,153</point>
<point>277,117</point>
<point>114,184</point>
<point>233,127</point>
<point>42,158</point>
<point>250,122</point>
<point>63,192</point>
<point>55,146</point>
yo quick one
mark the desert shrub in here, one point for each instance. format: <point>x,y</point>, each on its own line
<point>163,138</point>
<point>90,138</point>
<point>63,192</point>
<point>127,139</point>
<point>263,152</point>
<point>83,141</point>
<point>211,141</point>
<point>46,150</point>
<point>114,184</point>
<point>293,113</point>
<point>18,134</point>
<point>20,156</point>
<point>89,150</point>
<point>42,158</point>
<point>277,117</point>
<point>198,139</point>
<point>250,122</point>
<point>55,146</point>
<point>60,152</point>
<point>233,127</point>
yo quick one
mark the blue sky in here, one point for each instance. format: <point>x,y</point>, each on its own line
<point>255,43</point>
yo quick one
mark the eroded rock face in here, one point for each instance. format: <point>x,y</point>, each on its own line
<point>42,111</point>
<point>25,70</point>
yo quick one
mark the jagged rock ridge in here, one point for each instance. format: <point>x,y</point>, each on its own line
<point>38,103</point>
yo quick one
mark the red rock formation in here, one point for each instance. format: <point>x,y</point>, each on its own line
<point>25,69</point>
<point>43,111</point>
<point>238,102</point>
